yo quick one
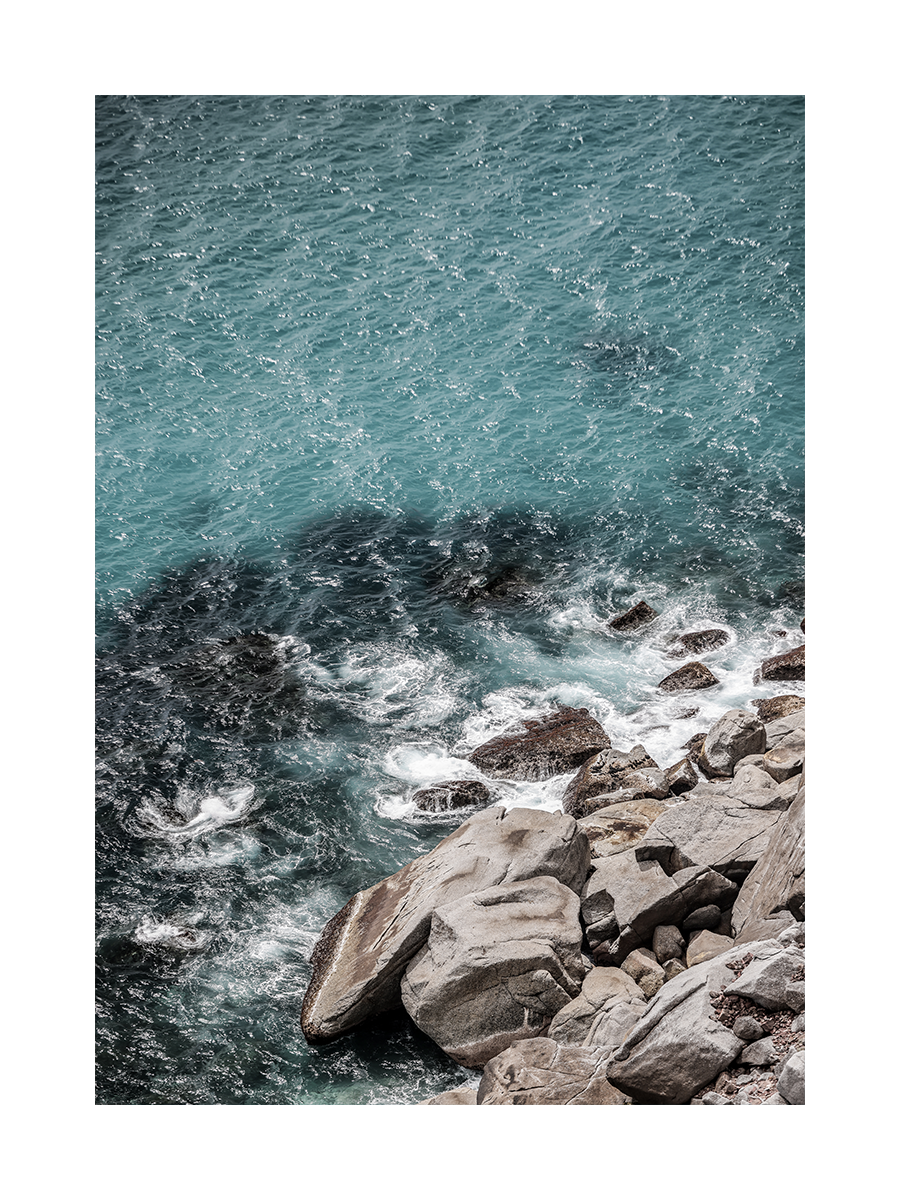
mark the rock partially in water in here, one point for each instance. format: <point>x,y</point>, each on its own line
<point>452,794</point>
<point>627,775</point>
<point>690,678</point>
<point>537,749</point>
<point>635,617</point>
<point>701,642</point>
<point>783,666</point>
<point>777,706</point>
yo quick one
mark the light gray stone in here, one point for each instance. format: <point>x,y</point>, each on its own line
<point>792,1080</point>
<point>760,1053</point>
<point>645,971</point>
<point>734,736</point>
<point>608,1006</point>
<point>777,731</point>
<point>747,1028</point>
<point>786,759</point>
<point>707,945</point>
<point>460,1095</point>
<point>724,834</point>
<point>773,896</point>
<point>768,980</point>
<point>364,949</point>
<point>497,967</point>
<point>673,967</point>
<point>539,1071</point>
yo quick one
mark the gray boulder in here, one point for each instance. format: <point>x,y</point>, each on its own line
<point>497,967</point>
<point>769,979</point>
<point>537,749</point>
<point>460,1095</point>
<point>773,896</point>
<point>761,1053</point>
<point>792,1080</point>
<point>668,942</point>
<point>777,706</point>
<point>777,731</point>
<point>646,972</point>
<point>706,945</point>
<point>636,617</point>
<point>787,758</point>
<point>723,834</point>
<point>608,1005</point>
<point>611,834</point>
<point>614,776</point>
<point>681,777</point>
<point>539,1071</point>
<point>734,736</point>
<point>363,950</point>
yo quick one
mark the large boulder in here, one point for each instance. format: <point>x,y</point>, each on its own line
<point>624,900</point>
<point>553,744</point>
<point>497,967</point>
<point>614,776</point>
<point>792,1080</point>
<point>700,642</point>
<point>608,1005</point>
<point>787,758</point>
<point>778,706</point>
<point>635,617</point>
<point>364,950</point>
<point>692,677</point>
<point>613,833</point>
<point>773,896</point>
<point>541,1072</point>
<point>734,736</point>
<point>784,727</point>
<point>724,834</point>
<point>783,666</point>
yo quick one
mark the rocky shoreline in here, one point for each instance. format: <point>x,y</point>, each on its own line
<point>645,945</point>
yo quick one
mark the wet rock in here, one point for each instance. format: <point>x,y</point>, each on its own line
<point>539,1071</point>
<point>505,584</point>
<point>735,735</point>
<point>691,677</point>
<point>701,642</point>
<point>363,950</point>
<point>778,706</point>
<point>614,776</point>
<point>783,666</point>
<point>497,967</point>
<point>537,749</point>
<point>451,794</point>
<point>635,618</point>
<point>608,1005</point>
<point>773,896</point>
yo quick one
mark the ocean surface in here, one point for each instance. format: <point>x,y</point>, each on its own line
<point>399,400</point>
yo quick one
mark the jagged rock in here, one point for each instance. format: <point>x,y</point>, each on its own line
<point>777,731</point>
<point>760,1053</point>
<point>624,900</point>
<point>637,616</point>
<point>668,942</point>
<point>792,1080</point>
<point>536,749</point>
<point>608,1005</point>
<point>645,971</point>
<point>694,745</point>
<point>773,896</point>
<point>734,736</point>
<point>450,794</point>
<point>614,776</point>
<point>783,666</point>
<point>681,777</point>
<point>363,950</point>
<point>678,1046</point>
<point>497,967</point>
<point>706,945</point>
<point>460,1095</point>
<point>539,1071</point>
<point>786,759</point>
<point>778,706</point>
<point>673,967</point>
<point>768,979</point>
<point>690,678</point>
<point>700,642</point>
<point>723,834</point>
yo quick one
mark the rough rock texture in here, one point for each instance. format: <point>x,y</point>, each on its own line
<point>768,980</point>
<point>646,972</point>
<point>363,950</point>
<point>778,706</point>
<point>497,967</point>
<point>450,794</point>
<point>723,834</point>
<point>690,678</point>
<point>536,749</point>
<point>637,616</point>
<point>668,942</point>
<point>700,642</point>
<point>681,777</point>
<point>792,1080</point>
<point>611,834</point>
<point>787,758</point>
<point>777,731</point>
<point>783,666</point>
<point>460,1095</point>
<point>608,1005</point>
<point>541,1072</point>
<point>734,736</point>
<point>773,896</point>
<point>624,900</point>
<point>707,945</point>
<point>678,1045</point>
<point>614,776</point>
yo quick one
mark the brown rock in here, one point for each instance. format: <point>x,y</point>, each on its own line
<point>549,745</point>
<point>700,642</point>
<point>640,614</point>
<point>690,678</point>
<point>450,794</point>
<point>777,707</point>
<point>621,775</point>
<point>783,666</point>
<point>539,1071</point>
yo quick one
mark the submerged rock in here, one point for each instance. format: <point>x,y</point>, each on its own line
<point>636,617</point>
<point>536,749</point>
<point>451,794</point>
<point>364,949</point>
<point>690,678</point>
<point>701,642</point>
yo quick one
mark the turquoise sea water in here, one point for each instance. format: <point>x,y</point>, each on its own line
<point>357,358</point>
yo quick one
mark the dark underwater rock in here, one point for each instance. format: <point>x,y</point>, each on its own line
<point>700,642</point>
<point>638,615</point>
<point>777,707</point>
<point>691,677</point>
<point>549,745</point>
<point>450,794</point>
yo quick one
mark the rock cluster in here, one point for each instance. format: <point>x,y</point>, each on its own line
<point>646,945</point>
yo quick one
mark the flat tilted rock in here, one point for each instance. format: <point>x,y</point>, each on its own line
<point>606,1008</point>
<point>536,749</point>
<point>737,734</point>
<point>497,967</point>
<point>363,950</point>
<point>539,1071</point>
<point>773,896</point>
<point>723,834</point>
<point>692,677</point>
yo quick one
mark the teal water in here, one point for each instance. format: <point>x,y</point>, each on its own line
<point>356,358</point>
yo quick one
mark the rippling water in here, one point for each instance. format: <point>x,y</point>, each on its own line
<point>399,400</point>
